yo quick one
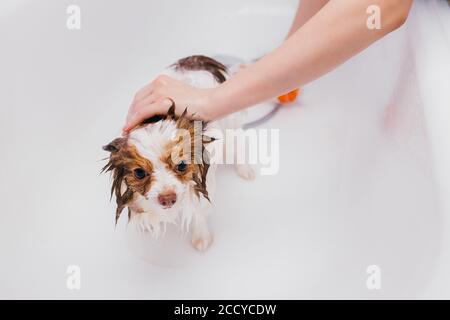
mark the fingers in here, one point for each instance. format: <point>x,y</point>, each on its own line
<point>146,111</point>
<point>148,101</point>
<point>142,104</point>
<point>143,101</point>
<point>143,92</point>
<point>148,89</point>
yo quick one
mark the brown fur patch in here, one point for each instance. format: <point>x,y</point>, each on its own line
<point>123,160</point>
<point>199,62</point>
<point>198,157</point>
<point>176,147</point>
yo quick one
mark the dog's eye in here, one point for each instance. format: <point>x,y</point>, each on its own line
<point>181,166</point>
<point>140,173</point>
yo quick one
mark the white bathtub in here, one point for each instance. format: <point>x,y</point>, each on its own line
<point>364,177</point>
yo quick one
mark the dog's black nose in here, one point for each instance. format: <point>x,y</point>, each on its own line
<point>167,199</point>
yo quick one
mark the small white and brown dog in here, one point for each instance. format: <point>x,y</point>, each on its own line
<point>164,170</point>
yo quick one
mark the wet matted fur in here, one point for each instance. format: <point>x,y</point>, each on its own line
<point>124,158</point>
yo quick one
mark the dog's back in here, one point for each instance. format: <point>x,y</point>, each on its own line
<point>202,63</point>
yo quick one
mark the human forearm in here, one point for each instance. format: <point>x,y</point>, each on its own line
<point>306,9</point>
<point>332,36</point>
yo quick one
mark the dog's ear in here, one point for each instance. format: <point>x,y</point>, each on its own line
<point>115,145</point>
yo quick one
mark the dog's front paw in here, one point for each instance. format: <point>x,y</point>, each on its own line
<point>201,242</point>
<point>245,171</point>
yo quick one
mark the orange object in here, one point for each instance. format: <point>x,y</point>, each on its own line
<point>289,97</point>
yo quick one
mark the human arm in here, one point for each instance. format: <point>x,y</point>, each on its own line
<point>333,35</point>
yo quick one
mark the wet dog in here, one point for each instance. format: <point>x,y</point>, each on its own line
<point>164,170</point>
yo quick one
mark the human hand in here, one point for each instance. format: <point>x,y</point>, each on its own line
<point>157,97</point>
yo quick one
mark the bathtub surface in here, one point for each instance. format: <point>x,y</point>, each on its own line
<point>358,184</point>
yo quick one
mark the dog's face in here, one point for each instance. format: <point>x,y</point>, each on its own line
<point>155,168</point>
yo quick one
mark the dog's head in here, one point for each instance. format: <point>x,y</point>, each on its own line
<point>158,165</point>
